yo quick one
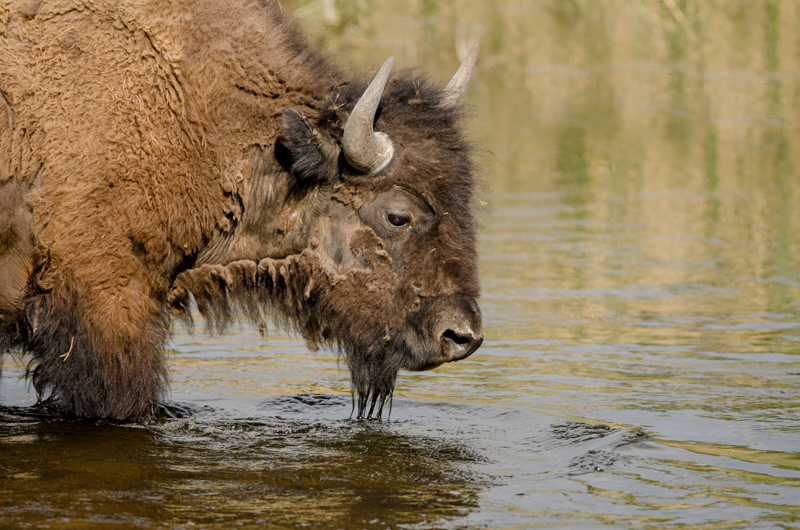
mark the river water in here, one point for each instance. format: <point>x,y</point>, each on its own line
<point>641,269</point>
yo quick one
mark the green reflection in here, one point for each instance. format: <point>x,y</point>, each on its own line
<point>572,160</point>
<point>772,458</point>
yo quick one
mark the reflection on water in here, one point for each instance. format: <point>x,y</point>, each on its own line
<point>211,472</point>
<point>639,255</point>
<point>295,462</point>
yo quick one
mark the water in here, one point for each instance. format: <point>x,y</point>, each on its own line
<point>639,256</point>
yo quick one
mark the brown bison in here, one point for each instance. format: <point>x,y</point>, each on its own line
<point>152,152</point>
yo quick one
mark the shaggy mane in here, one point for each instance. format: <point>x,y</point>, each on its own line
<point>304,292</point>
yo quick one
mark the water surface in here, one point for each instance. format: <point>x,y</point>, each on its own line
<point>639,256</point>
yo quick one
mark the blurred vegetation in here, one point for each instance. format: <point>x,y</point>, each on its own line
<point>689,93</point>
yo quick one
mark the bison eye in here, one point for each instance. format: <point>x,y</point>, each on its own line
<point>398,220</point>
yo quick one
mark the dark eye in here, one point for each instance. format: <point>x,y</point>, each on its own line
<point>398,220</point>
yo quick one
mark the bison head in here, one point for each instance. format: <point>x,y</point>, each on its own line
<point>388,267</point>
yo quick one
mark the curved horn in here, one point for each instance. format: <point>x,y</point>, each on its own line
<point>366,150</point>
<point>454,91</point>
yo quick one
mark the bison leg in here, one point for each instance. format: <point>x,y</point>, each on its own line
<point>97,345</point>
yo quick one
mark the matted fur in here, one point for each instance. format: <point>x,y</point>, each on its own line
<point>150,146</point>
<point>306,292</point>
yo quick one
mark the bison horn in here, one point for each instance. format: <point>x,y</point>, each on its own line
<point>455,89</point>
<point>366,150</point>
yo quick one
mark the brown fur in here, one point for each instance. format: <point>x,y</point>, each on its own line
<point>141,139</point>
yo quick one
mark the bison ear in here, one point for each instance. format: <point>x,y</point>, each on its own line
<point>309,153</point>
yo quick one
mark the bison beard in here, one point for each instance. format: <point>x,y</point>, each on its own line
<point>305,292</point>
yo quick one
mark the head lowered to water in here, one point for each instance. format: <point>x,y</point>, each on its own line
<point>163,151</point>
<point>389,273</point>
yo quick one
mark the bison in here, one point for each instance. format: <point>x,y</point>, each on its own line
<point>157,152</point>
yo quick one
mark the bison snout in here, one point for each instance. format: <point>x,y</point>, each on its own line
<point>459,330</point>
<point>445,329</point>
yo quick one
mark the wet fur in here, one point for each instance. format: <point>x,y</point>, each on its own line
<point>306,292</point>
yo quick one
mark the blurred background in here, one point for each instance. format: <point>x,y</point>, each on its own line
<point>614,96</point>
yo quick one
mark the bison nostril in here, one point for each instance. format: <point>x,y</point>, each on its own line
<point>457,345</point>
<point>455,337</point>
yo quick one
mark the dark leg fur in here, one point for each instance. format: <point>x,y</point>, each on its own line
<point>94,363</point>
<point>13,331</point>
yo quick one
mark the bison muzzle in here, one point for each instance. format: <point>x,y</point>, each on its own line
<point>157,153</point>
